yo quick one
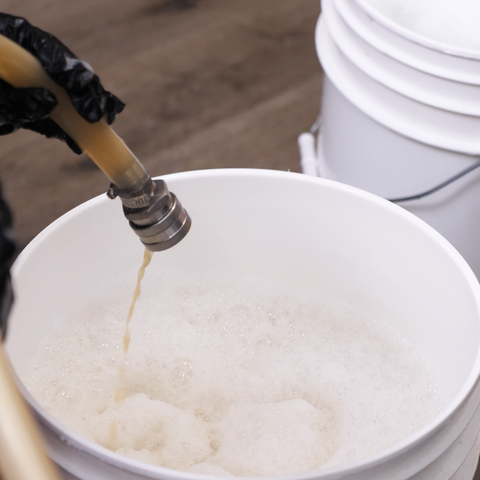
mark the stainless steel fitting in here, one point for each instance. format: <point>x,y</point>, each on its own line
<point>154,213</point>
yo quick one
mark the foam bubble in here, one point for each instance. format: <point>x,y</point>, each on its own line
<point>293,435</point>
<point>226,376</point>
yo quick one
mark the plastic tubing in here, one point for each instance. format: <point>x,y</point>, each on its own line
<point>21,69</point>
<point>22,455</point>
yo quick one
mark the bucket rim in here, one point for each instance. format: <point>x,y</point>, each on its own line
<point>366,93</point>
<point>424,87</point>
<point>113,459</point>
<point>417,38</point>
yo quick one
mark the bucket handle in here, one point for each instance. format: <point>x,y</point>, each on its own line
<point>307,147</point>
<point>438,187</point>
<point>309,162</point>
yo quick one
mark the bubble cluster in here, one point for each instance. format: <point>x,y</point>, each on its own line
<point>230,377</point>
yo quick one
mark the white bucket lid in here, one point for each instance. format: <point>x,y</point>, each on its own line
<point>408,47</point>
<point>413,119</point>
<point>423,87</point>
<point>415,37</point>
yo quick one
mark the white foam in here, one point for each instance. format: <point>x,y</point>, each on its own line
<point>450,22</point>
<point>293,435</point>
<point>225,376</point>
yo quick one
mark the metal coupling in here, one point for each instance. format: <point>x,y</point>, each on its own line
<point>155,214</point>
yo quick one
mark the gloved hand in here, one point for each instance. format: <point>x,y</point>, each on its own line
<point>7,250</point>
<point>30,107</point>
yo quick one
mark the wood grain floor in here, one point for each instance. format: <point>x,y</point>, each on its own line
<point>207,83</point>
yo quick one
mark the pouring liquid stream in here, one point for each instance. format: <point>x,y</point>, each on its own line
<point>120,391</point>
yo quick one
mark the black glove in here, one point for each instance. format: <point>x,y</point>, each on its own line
<point>7,251</point>
<point>30,107</point>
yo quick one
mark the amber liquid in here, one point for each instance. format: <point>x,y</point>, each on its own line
<point>120,391</point>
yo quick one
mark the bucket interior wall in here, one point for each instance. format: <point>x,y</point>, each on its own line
<point>312,233</point>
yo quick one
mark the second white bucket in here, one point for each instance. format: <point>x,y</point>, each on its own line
<point>399,117</point>
<point>310,233</point>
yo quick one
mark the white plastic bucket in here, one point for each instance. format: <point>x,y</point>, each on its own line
<point>401,114</point>
<point>305,231</point>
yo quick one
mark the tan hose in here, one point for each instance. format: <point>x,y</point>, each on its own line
<point>21,69</point>
<point>22,454</point>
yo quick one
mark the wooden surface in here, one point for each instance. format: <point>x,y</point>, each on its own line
<point>207,83</point>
